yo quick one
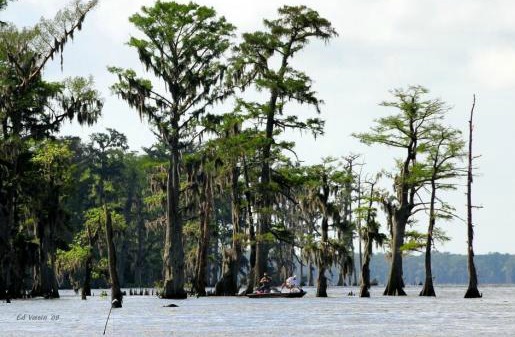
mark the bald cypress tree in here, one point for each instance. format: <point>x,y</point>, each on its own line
<point>183,47</point>
<point>407,130</point>
<point>445,148</point>
<point>371,235</point>
<point>32,109</point>
<point>106,150</point>
<point>263,60</point>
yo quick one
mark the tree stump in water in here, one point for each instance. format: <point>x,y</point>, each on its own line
<point>226,286</point>
<point>473,293</point>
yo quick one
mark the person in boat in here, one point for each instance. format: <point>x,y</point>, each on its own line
<point>265,283</point>
<point>291,283</point>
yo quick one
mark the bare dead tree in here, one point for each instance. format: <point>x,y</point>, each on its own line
<point>472,291</point>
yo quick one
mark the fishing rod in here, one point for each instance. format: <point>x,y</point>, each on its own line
<point>112,304</point>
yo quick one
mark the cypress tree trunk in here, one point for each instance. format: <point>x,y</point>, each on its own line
<point>49,247</point>
<point>301,263</point>
<point>354,270</point>
<point>428,289</point>
<point>322,280</point>
<point>310,273</point>
<point>7,221</point>
<point>365,268</point>
<point>360,238</point>
<point>127,214</point>
<point>116,293</point>
<point>86,287</point>
<point>349,192</point>
<point>205,209</point>
<point>173,257</point>
<point>262,246</point>
<point>472,291</point>
<point>251,278</point>
<point>236,240</point>
<point>138,266</point>
<point>321,283</point>
<point>4,241</point>
<point>395,283</point>
<point>10,276</point>
<point>228,285</point>
<point>292,262</point>
<point>122,254</point>
<point>215,268</point>
<point>341,280</point>
<point>5,247</point>
<point>45,282</point>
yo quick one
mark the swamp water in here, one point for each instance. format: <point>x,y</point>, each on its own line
<point>449,314</point>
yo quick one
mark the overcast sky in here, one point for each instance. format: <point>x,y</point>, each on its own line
<point>454,48</point>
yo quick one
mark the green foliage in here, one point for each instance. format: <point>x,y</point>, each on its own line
<point>262,61</point>
<point>73,259</point>
<point>183,46</point>
<point>415,241</point>
<point>95,220</point>
<point>253,61</point>
<point>101,269</point>
<point>81,100</point>
<point>34,175</point>
<point>430,147</point>
<point>322,199</point>
<point>266,237</point>
<point>281,233</point>
<point>242,154</point>
<point>106,152</point>
<point>53,160</point>
<point>3,4</point>
<point>409,127</point>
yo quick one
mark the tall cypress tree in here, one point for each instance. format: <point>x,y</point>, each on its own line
<point>32,109</point>
<point>183,46</point>
<point>253,64</point>
<point>407,130</point>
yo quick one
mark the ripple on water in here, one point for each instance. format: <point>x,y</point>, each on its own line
<point>447,315</point>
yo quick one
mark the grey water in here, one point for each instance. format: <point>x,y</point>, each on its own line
<point>449,314</point>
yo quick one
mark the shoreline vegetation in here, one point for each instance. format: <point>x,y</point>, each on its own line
<point>221,199</point>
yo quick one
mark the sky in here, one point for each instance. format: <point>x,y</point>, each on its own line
<point>453,48</point>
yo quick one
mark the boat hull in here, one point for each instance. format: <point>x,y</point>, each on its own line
<point>278,295</point>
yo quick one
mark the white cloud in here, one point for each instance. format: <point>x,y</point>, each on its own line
<point>494,68</point>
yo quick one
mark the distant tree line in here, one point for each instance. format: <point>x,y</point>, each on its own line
<point>493,268</point>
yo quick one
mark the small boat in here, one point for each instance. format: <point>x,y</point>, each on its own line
<point>292,294</point>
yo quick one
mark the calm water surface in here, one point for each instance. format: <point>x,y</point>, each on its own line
<point>338,315</point>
